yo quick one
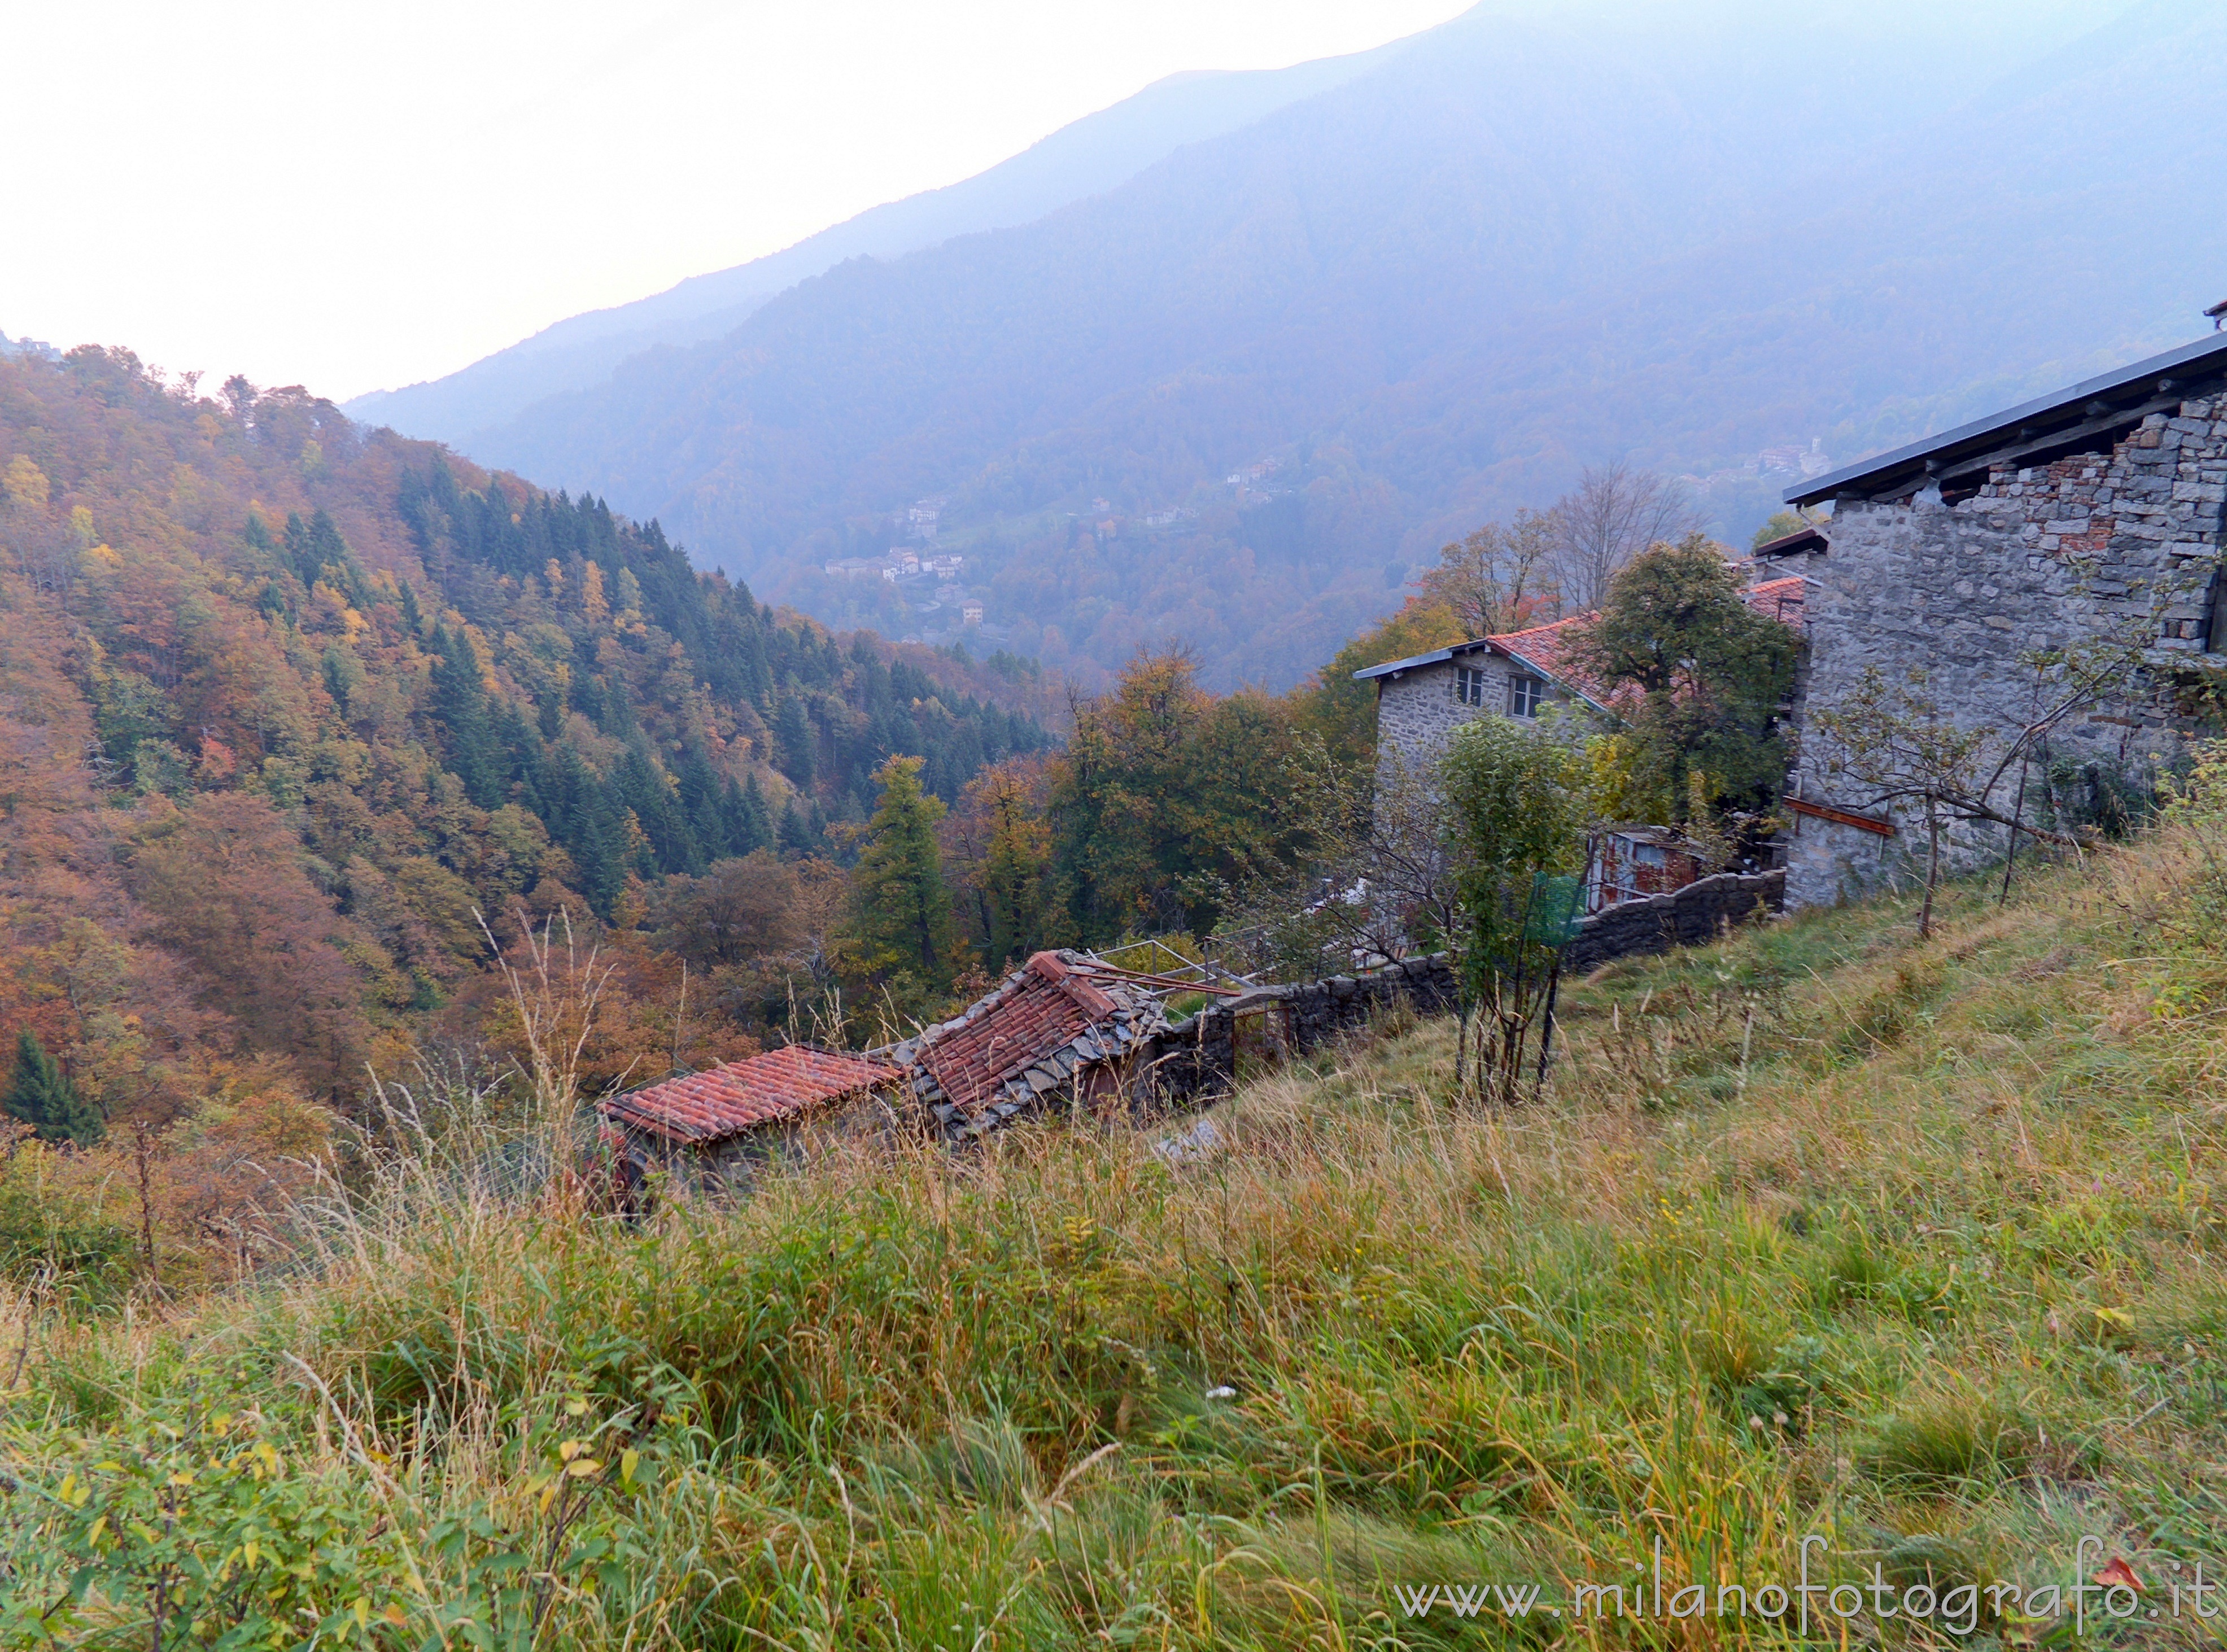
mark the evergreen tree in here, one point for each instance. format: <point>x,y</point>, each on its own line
<point>460,708</point>
<point>700,802</point>
<point>793,732</point>
<point>598,848</point>
<point>644,789</point>
<point>41,1095</point>
<point>749,822</point>
<point>1013,868</point>
<point>902,913</point>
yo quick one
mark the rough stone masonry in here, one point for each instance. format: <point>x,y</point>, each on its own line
<point>2091,522</point>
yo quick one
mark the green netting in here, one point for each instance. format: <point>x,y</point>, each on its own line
<point>1556,909</point>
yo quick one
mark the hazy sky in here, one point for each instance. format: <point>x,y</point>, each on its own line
<point>357,196</point>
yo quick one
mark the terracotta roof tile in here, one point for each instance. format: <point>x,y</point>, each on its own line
<point>1021,1034</point>
<point>1779,598</point>
<point>740,1095</point>
<point>1548,648</point>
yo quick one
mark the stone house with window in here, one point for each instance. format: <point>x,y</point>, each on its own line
<point>1422,699</point>
<point>2090,520</point>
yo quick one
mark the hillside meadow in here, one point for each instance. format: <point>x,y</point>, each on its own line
<point>1911,1248</point>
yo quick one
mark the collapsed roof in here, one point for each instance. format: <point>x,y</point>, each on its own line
<point>1058,1017</point>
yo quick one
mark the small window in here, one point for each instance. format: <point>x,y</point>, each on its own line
<point>1526,695</point>
<point>1650,854</point>
<point>1469,685</point>
<point>2215,614</point>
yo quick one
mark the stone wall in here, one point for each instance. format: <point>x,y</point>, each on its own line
<point>1701,912</point>
<point>1417,712</point>
<point>2095,549</point>
<point>1198,1057</point>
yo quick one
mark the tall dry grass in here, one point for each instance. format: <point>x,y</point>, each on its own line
<point>1825,1230</point>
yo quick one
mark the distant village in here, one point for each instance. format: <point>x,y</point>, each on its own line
<point>927,578</point>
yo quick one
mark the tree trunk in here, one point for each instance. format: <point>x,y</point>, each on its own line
<point>1932,870</point>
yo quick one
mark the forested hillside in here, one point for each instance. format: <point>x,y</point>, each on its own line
<point>285,705</point>
<point>1239,400</point>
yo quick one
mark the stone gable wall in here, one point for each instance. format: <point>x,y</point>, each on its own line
<point>1417,713</point>
<point>2083,549</point>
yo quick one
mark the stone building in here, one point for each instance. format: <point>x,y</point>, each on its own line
<point>1421,700</point>
<point>2088,522</point>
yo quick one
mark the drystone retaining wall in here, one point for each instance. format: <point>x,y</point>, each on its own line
<point>1701,912</point>
<point>1198,1057</point>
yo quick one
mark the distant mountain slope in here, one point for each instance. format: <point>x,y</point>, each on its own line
<point>1084,158</point>
<point>1430,293</point>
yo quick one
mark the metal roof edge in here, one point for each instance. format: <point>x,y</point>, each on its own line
<point>1818,488</point>
<point>1435,657</point>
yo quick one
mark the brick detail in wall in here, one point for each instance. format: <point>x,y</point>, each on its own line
<point>2082,550</point>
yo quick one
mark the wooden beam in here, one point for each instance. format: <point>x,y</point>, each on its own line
<point>1841,817</point>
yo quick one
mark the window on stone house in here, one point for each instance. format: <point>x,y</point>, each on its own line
<point>1526,695</point>
<point>2215,613</point>
<point>1469,686</point>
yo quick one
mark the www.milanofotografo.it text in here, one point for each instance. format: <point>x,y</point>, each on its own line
<point>2097,1595</point>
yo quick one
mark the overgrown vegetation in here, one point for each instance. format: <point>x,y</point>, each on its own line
<point>1911,1245</point>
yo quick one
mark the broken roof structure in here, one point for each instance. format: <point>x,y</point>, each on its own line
<point>778,1086</point>
<point>1059,1025</point>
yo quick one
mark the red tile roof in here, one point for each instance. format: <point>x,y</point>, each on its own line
<point>741,1096</point>
<point>1546,648</point>
<point>1048,1007</point>
<point>1779,598</point>
<point>1056,1017</point>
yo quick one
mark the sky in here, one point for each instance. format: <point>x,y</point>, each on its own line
<point>353,197</point>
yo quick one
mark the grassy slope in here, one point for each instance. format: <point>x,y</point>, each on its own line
<point>1935,1273</point>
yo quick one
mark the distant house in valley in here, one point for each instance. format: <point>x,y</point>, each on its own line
<point>713,1129</point>
<point>1422,699</point>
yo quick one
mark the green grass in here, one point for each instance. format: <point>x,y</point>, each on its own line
<point>1913,1247</point>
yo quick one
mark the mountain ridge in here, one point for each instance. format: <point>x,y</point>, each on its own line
<point>1420,298</point>
<point>1082,158</point>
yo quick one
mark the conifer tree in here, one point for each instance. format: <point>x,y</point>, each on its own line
<point>41,1095</point>
<point>1013,869</point>
<point>793,731</point>
<point>901,916</point>
<point>460,707</point>
<point>750,822</point>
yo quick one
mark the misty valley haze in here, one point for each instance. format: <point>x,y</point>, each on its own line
<point>1416,290</point>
